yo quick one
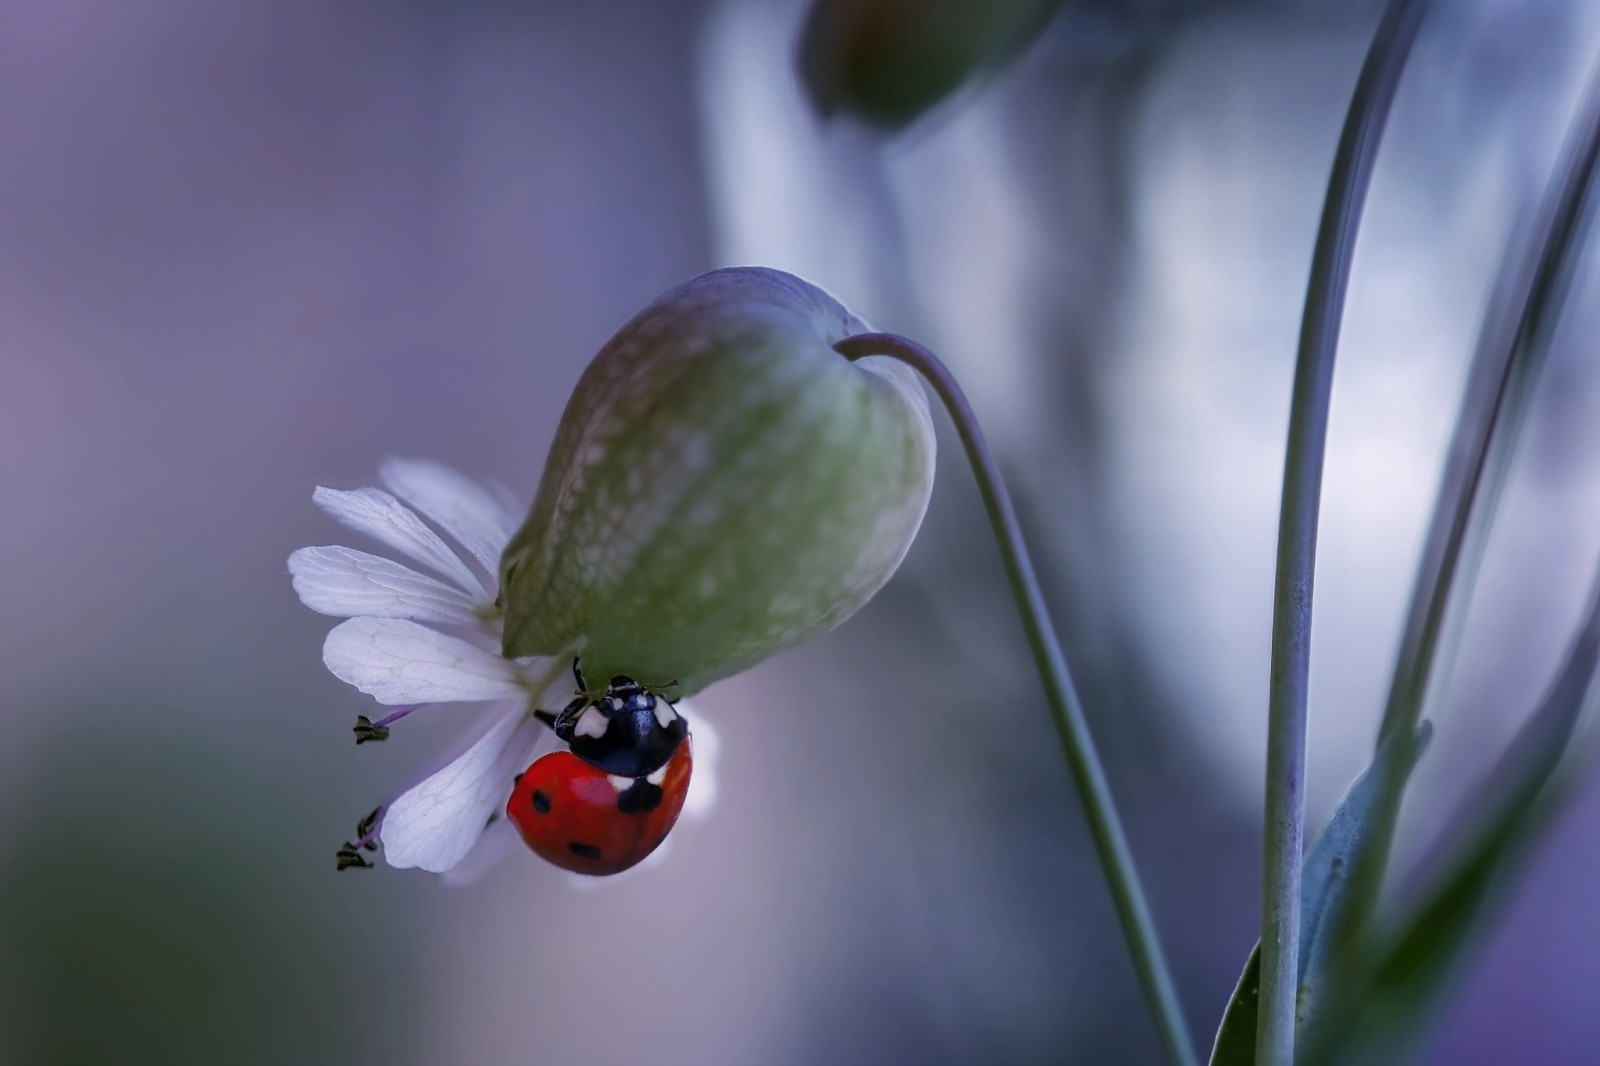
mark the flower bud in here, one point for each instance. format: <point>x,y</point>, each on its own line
<point>723,485</point>
<point>888,62</point>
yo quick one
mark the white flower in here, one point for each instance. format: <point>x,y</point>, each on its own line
<point>413,639</point>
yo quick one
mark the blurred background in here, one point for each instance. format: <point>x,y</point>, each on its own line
<point>253,247</point>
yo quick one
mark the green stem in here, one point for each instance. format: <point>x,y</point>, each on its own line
<point>1297,527</point>
<point>1065,707</point>
<point>1512,350</point>
<point>1513,347</point>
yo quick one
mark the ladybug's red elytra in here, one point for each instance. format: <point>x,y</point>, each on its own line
<point>610,799</point>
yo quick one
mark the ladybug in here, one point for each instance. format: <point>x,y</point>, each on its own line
<point>626,731</point>
<point>609,799</point>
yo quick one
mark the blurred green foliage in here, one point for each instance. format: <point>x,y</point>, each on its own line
<point>160,904</point>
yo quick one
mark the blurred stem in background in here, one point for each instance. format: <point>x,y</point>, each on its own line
<point>1527,789</point>
<point>1297,526</point>
<point>1065,706</point>
<point>1513,347</point>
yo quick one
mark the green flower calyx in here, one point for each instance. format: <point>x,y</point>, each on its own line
<point>723,486</point>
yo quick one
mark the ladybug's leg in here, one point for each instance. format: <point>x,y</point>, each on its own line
<point>567,720</point>
<point>577,673</point>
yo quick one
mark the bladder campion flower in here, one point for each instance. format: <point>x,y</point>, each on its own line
<point>414,640</point>
<point>723,485</point>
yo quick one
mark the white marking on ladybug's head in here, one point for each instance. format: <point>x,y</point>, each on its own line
<point>659,776</point>
<point>620,783</point>
<point>611,705</point>
<point>665,715</point>
<point>591,723</point>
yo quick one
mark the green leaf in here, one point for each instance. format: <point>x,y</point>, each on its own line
<point>1382,1016</point>
<point>1325,898</point>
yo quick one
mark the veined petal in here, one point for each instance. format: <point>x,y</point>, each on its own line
<point>347,583</point>
<point>395,661</point>
<point>380,515</point>
<point>470,513</point>
<point>495,842</point>
<point>435,824</point>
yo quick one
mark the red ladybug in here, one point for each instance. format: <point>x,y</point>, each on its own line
<point>583,819</point>
<point>610,800</point>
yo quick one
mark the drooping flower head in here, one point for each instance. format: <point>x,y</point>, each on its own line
<point>723,485</point>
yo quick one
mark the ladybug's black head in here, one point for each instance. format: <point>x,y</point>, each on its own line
<point>623,685</point>
<point>627,731</point>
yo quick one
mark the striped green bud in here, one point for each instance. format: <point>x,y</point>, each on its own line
<point>723,486</point>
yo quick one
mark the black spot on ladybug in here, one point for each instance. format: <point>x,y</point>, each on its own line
<point>584,851</point>
<point>641,797</point>
<point>541,802</point>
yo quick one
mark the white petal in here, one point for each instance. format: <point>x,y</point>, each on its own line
<point>501,837</point>
<point>466,510</point>
<point>346,583</point>
<point>435,824</point>
<point>494,844</point>
<point>703,781</point>
<point>395,661</point>
<point>378,514</point>
<point>509,503</point>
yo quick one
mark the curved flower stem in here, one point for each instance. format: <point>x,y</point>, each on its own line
<point>1288,683</point>
<point>1065,706</point>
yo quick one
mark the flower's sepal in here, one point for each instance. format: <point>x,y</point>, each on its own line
<point>723,485</point>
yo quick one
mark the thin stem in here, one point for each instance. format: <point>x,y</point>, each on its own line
<point>1513,345</point>
<point>1297,528</point>
<point>1065,707</point>
<point>394,716</point>
<point>371,826</point>
<point>1511,352</point>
